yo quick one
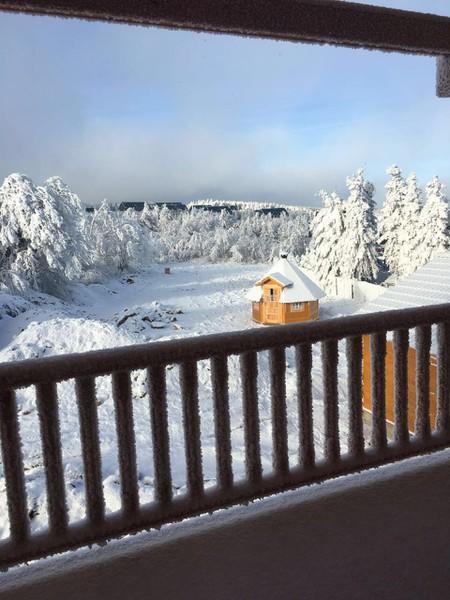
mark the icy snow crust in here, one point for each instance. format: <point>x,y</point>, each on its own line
<point>195,299</point>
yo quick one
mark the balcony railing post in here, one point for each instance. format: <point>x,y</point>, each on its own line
<point>378,389</point>
<point>401,346</point>
<point>443,380</point>
<point>277,369</point>
<point>47,404</point>
<point>160,433</point>
<point>123,405</point>
<point>219,376</point>
<point>249,373</point>
<point>87,410</point>
<point>13,467</point>
<point>303,358</point>
<point>331,426</point>
<point>354,374</point>
<point>191,424</point>
<point>423,345</point>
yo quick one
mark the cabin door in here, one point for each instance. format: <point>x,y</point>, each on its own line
<point>272,304</point>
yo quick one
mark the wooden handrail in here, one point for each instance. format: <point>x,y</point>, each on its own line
<point>318,21</point>
<point>140,356</point>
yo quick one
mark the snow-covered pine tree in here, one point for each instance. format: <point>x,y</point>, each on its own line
<point>37,246</point>
<point>324,255</point>
<point>433,223</point>
<point>74,221</point>
<point>358,248</point>
<point>409,236</point>
<point>391,218</point>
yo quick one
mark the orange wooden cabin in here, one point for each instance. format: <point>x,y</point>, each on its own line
<point>430,284</point>
<point>285,295</point>
<point>411,366</point>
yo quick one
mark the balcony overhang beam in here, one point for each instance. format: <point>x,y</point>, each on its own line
<point>313,21</point>
<point>317,21</point>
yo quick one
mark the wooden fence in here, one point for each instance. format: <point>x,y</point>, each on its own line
<point>45,373</point>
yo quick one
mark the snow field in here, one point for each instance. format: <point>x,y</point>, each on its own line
<point>211,298</point>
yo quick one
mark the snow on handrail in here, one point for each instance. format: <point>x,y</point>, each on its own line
<point>18,374</point>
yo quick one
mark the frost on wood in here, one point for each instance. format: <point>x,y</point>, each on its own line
<point>443,77</point>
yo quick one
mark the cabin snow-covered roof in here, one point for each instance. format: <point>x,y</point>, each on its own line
<point>284,281</point>
<point>296,285</point>
<point>430,284</point>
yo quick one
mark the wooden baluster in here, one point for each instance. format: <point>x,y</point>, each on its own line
<point>443,380</point>
<point>121,386</point>
<point>13,467</point>
<point>87,410</point>
<point>277,368</point>
<point>219,377</point>
<point>378,389</point>
<point>160,434</point>
<point>401,346</point>
<point>303,357</point>
<point>354,375</point>
<point>423,345</point>
<point>249,373</point>
<point>329,366</point>
<point>47,405</point>
<point>191,421</point>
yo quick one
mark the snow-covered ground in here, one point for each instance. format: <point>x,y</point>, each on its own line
<point>194,299</point>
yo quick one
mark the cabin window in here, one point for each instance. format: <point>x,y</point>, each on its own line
<point>297,306</point>
<point>272,295</point>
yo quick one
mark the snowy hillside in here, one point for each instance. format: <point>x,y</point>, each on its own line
<point>195,299</point>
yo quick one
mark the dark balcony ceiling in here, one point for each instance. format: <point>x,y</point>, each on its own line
<point>316,21</point>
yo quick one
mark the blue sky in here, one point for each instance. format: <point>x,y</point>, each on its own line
<point>128,113</point>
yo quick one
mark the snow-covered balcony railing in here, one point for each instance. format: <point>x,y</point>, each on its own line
<point>340,340</point>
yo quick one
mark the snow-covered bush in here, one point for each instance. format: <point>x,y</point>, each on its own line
<point>119,240</point>
<point>243,236</point>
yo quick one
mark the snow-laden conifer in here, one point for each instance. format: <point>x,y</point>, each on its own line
<point>391,219</point>
<point>327,227</point>
<point>358,248</point>
<point>409,236</point>
<point>433,223</point>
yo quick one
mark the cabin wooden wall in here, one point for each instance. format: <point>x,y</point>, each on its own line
<point>310,312</point>
<point>367,402</point>
<point>283,313</point>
